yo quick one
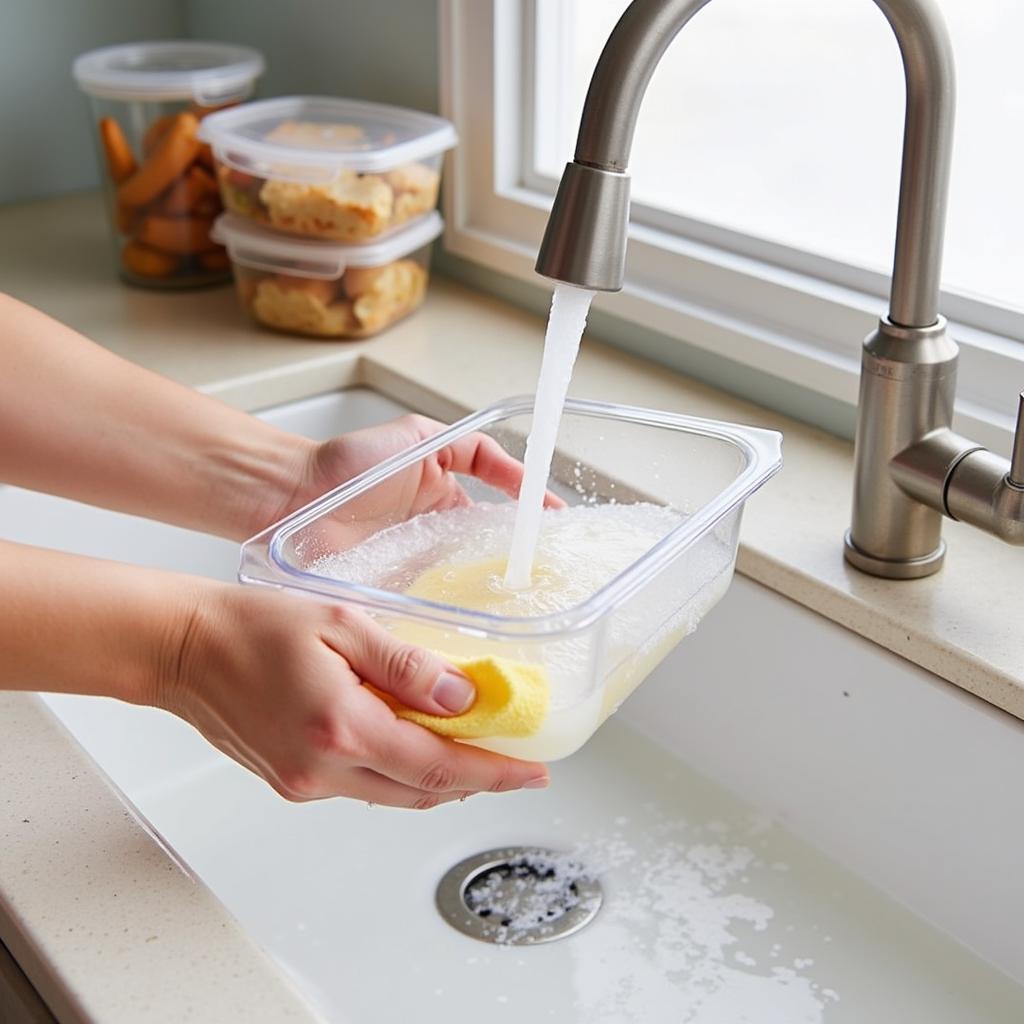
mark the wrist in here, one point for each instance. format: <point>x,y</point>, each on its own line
<point>83,625</point>
<point>253,480</point>
<point>183,645</point>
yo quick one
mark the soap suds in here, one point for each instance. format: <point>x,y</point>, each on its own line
<point>584,547</point>
<point>668,943</point>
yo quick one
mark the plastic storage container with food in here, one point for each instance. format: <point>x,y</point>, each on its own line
<point>148,100</point>
<point>328,168</point>
<point>327,290</point>
<point>644,548</point>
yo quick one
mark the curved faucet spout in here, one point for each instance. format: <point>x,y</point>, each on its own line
<point>594,188</point>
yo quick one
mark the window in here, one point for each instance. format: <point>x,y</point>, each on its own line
<point>784,121</point>
<point>765,177</point>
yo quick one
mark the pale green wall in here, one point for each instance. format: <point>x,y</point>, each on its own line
<point>44,120</point>
<point>383,50</point>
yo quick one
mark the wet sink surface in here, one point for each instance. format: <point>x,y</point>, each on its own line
<point>711,913</point>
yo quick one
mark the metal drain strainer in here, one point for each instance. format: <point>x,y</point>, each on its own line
<point>518,895</point>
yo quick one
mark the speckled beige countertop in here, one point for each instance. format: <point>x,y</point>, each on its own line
<point>112,941</point>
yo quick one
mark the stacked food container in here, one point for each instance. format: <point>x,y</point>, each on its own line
<point>331,210</point>
<point>148,100</point>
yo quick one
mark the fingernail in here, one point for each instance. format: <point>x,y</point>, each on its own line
<point>541,782</point>
<point>454,693</point>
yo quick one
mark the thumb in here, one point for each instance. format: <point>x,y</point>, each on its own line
<point>414,676</point>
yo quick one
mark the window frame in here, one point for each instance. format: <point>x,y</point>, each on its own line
<point>776,309</point>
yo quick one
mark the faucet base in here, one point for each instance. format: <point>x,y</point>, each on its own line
<point>907,384</point>
<point>894,569</point>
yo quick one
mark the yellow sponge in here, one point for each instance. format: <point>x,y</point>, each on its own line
<point>511,700</point>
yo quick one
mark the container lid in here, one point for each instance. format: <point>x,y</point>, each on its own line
<point>312,138</point>
<point>251,245</point>
<point>175,69</point>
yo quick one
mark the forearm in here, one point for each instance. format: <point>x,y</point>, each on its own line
<point>81,625</point>
<point>79,421</point>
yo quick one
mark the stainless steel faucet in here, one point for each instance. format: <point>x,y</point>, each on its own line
<point>910,467</point>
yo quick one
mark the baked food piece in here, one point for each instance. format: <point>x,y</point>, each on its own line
<point>364,302</point>
<point>413,178</point>
<point>303,305</point>
<point>395,290</point>
<point>348,209</point>
<point>241,192</point>
<point>318,135</point>
<point>358,281</point>
<point>415,187</point>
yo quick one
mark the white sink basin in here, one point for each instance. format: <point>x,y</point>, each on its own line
<point>713,913</point>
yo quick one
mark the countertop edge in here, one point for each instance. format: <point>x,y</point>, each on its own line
<point>134,902</point>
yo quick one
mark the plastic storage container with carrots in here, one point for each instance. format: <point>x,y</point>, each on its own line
<point>148,100</point>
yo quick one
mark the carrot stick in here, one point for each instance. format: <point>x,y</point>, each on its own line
<point>120,162</point>
<point>176,149</point>
<point>178,235</point>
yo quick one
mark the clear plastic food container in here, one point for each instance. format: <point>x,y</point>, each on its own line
<point>596,652</point>
<point>328,168</point>
<point>326,290</point>
<point>148,101</point>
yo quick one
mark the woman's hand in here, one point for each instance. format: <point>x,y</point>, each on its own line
<point>275,682</point>
<point>428,486</point>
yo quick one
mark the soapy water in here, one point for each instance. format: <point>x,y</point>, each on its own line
<point>456,558</point>
<point>687,936</point>
<point>578,550</point>
<point>566,322</point>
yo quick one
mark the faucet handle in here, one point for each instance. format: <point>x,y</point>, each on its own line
<point>1016,474</point>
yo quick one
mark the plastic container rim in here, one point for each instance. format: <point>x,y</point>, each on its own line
<point>253,246</point>
<point>231,80</point>
<point>221,131</point>
<point>262,561</point>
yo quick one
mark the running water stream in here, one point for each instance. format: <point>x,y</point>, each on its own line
<point>569,308</point>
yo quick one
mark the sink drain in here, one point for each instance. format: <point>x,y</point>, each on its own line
<point>518,896</point>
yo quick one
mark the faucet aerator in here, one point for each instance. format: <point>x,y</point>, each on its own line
<point>585,240</point>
